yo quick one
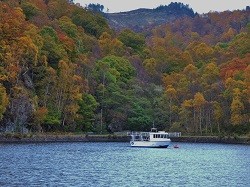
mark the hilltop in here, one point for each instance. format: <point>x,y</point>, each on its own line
<point>141,19</point>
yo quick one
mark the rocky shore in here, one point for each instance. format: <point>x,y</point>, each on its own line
<point>42,138</point>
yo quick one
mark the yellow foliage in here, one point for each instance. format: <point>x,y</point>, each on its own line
<point>110,46</point>
<point>28,50</point>
<point>4,101</point>
<point>236,108</point>
<point>150,65</point>
<point>199,100</point>
<point>170,91</point>
<point>187,58</point>
<point>187,103</point>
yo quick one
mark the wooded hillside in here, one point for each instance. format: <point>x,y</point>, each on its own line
<point>62,68</point>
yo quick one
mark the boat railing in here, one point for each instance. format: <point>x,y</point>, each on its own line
<point>171,134</point>
<point>139,136</point>
<point>174,134</point>
<point>133,133</point>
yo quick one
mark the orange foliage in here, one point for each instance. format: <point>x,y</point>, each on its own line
<point>12,23</point>
<point>68,42</point>
<point>235,66</point>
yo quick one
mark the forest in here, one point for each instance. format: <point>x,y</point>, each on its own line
<point>64,69</point>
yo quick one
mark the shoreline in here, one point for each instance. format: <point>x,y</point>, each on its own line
<point>42,138</point>
<point>213,139</point>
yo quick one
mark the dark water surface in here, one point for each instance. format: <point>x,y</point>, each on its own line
<point>117,164</point>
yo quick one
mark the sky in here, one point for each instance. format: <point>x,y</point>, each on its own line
<point>200,6</point>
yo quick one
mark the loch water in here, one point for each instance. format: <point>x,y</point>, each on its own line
<point>118,165</point>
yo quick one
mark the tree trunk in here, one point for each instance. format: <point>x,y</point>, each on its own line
<point>200,121</point>
<point>101,120</point>
<point>194,121</point>
<point>170,112</point>
<point>206,121</point>
<point>210,124</point>
<point>218,125</point>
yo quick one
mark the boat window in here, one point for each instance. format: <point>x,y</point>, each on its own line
<point>154,135</point>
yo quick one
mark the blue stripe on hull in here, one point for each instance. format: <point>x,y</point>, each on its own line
<point>163,146</point>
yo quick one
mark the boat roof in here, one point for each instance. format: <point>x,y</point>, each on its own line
<point>159,132</point>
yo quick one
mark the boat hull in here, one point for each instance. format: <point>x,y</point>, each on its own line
<point>150,144</point>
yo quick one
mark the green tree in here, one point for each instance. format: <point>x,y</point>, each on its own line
<point>68,26</point>
<point>95,7</point>
<point>86,113</point>
<point>29,9</point>
<point>92,23</point>
<point>132,40</point>
<point>113,75</point>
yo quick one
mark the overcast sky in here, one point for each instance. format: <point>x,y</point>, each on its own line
<point>200,6</point>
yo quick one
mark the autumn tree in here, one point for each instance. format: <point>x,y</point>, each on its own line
<point>69,92</point>
<point>198,103</point>
<point>52,48</point>
<point>150,66</point>
<point>4,101</point>
<point>110,46</point>
<point>218,114</point>
<point>236,108</point>
<point>171,94</point>
<point>39,117</point>
<point>57,8</point>
<point>186,115</point>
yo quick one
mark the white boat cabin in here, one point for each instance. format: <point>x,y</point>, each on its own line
<point>154,138</point>
<point>154,135</point>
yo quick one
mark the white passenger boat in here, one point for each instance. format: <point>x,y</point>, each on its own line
<point>160,139</point>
